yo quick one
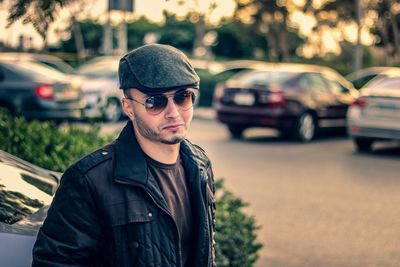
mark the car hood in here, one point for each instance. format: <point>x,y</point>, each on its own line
<point>28,226</point>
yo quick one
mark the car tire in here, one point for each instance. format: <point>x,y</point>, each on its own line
<point>363,145</point>
<point>305,128</point>
<point>112,110</point>
<point>235,131</point>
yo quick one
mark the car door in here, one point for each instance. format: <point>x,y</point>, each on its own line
<point>343,96</point>
<point>321,99</point>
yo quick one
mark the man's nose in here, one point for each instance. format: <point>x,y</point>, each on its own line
<point>171,110</point>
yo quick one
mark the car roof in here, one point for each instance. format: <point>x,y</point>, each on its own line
<point>368,71</point>
<point>298,68</point>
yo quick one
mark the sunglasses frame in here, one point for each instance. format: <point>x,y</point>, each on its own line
<point>193,92</point>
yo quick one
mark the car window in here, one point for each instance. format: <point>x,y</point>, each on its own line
<point>23,189</point>
<point>335,87</point>
<point>360,82</point>
<point>252,78</point>
<point>60,66</point>
<point>316,83</point>
<point>385,83</point>
<point>35,70</point>
<point>8,75</point>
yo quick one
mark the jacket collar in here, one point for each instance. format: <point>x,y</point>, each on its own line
<point>130,163</point>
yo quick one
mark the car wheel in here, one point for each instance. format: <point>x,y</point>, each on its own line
<point>112,110</point>
<point>305,128</point>
<point>363,144</point>
<point>236,131</point>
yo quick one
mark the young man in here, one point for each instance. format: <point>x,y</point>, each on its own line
<point>147,198</point>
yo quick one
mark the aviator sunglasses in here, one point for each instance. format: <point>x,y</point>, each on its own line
<point>155,104</point>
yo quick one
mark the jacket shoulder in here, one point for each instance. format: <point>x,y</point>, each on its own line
<point>197,152</point>
<point>94,159</point>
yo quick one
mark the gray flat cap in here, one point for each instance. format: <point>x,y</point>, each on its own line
<point>156,68</point>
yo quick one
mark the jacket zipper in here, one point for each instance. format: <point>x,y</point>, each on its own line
<point>209,236</point>
<point>179,256</point>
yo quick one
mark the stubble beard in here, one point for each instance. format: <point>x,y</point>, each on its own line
<point>154,136</point>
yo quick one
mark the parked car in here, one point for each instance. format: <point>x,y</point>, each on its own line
<point>361,77</point>
<point>375,115</point>
<point>25,193</point>
<point>101,89</point>
<point>295,99</point>
<point>49,60</point>
<point>38,91</point>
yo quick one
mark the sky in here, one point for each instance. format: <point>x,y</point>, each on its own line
<point>97,9</point>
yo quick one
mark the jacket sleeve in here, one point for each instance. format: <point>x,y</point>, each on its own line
<point>71,231</point>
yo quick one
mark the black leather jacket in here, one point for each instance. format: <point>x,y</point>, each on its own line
<point>109,211</point>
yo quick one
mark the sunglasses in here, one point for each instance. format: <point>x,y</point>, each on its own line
<point>155,104</point>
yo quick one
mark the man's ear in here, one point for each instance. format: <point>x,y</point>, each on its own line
<point>127,108</point>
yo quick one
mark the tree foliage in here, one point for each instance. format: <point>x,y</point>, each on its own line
<point>39,13</point>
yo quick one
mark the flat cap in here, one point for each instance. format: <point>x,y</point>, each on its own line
<point>156,68</point>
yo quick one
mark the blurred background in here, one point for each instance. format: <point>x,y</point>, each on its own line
<point>299,110</point>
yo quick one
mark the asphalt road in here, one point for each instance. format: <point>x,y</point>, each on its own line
<point>318,204</point>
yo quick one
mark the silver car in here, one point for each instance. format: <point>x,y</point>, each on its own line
<point>375,115</point>
<point>25,193</point>
<point>100,88</point>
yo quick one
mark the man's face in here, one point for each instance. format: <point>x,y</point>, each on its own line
<point>170,126</point>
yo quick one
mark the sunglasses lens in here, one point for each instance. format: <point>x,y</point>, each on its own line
<point>156,104</point>
<point>184,99</point>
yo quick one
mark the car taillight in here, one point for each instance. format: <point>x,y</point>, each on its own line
<point>219,92</point>
<point>276,99</point>
<point>44,91</point>
<point>360,102</point>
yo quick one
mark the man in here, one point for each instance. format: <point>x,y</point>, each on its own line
<point>147,198</point>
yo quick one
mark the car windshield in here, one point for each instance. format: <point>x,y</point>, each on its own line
<point>385,83</point>
<point>35,70</point>
<point>252,78</point>
<point>24,189</point>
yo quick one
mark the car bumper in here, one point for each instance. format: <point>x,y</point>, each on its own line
<point>272,118</point>
<point>375,133</point>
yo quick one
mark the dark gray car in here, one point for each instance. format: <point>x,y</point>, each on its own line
<point>38,91</point>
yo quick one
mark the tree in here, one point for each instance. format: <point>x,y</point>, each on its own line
<point>386,27</point>
<point>92,34</point>
<point>39,13</point>
<point>271,19</point>
<point>178,33</point>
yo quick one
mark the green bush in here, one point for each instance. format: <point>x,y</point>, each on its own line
<point>55,148</point>
<point>235,237</point>
<point>45,144</point>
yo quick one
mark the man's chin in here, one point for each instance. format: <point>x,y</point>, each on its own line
<point>173,141</point>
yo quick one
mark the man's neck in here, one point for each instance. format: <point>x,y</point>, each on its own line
<point>164,153</point>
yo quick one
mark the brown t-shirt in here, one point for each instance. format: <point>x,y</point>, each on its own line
<point>172,181</point>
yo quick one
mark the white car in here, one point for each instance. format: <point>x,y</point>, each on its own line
<point>25,194</point>
<point>375,115</point>
<point>101,89</point>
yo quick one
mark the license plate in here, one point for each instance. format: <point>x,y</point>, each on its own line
<point>245,99</point>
